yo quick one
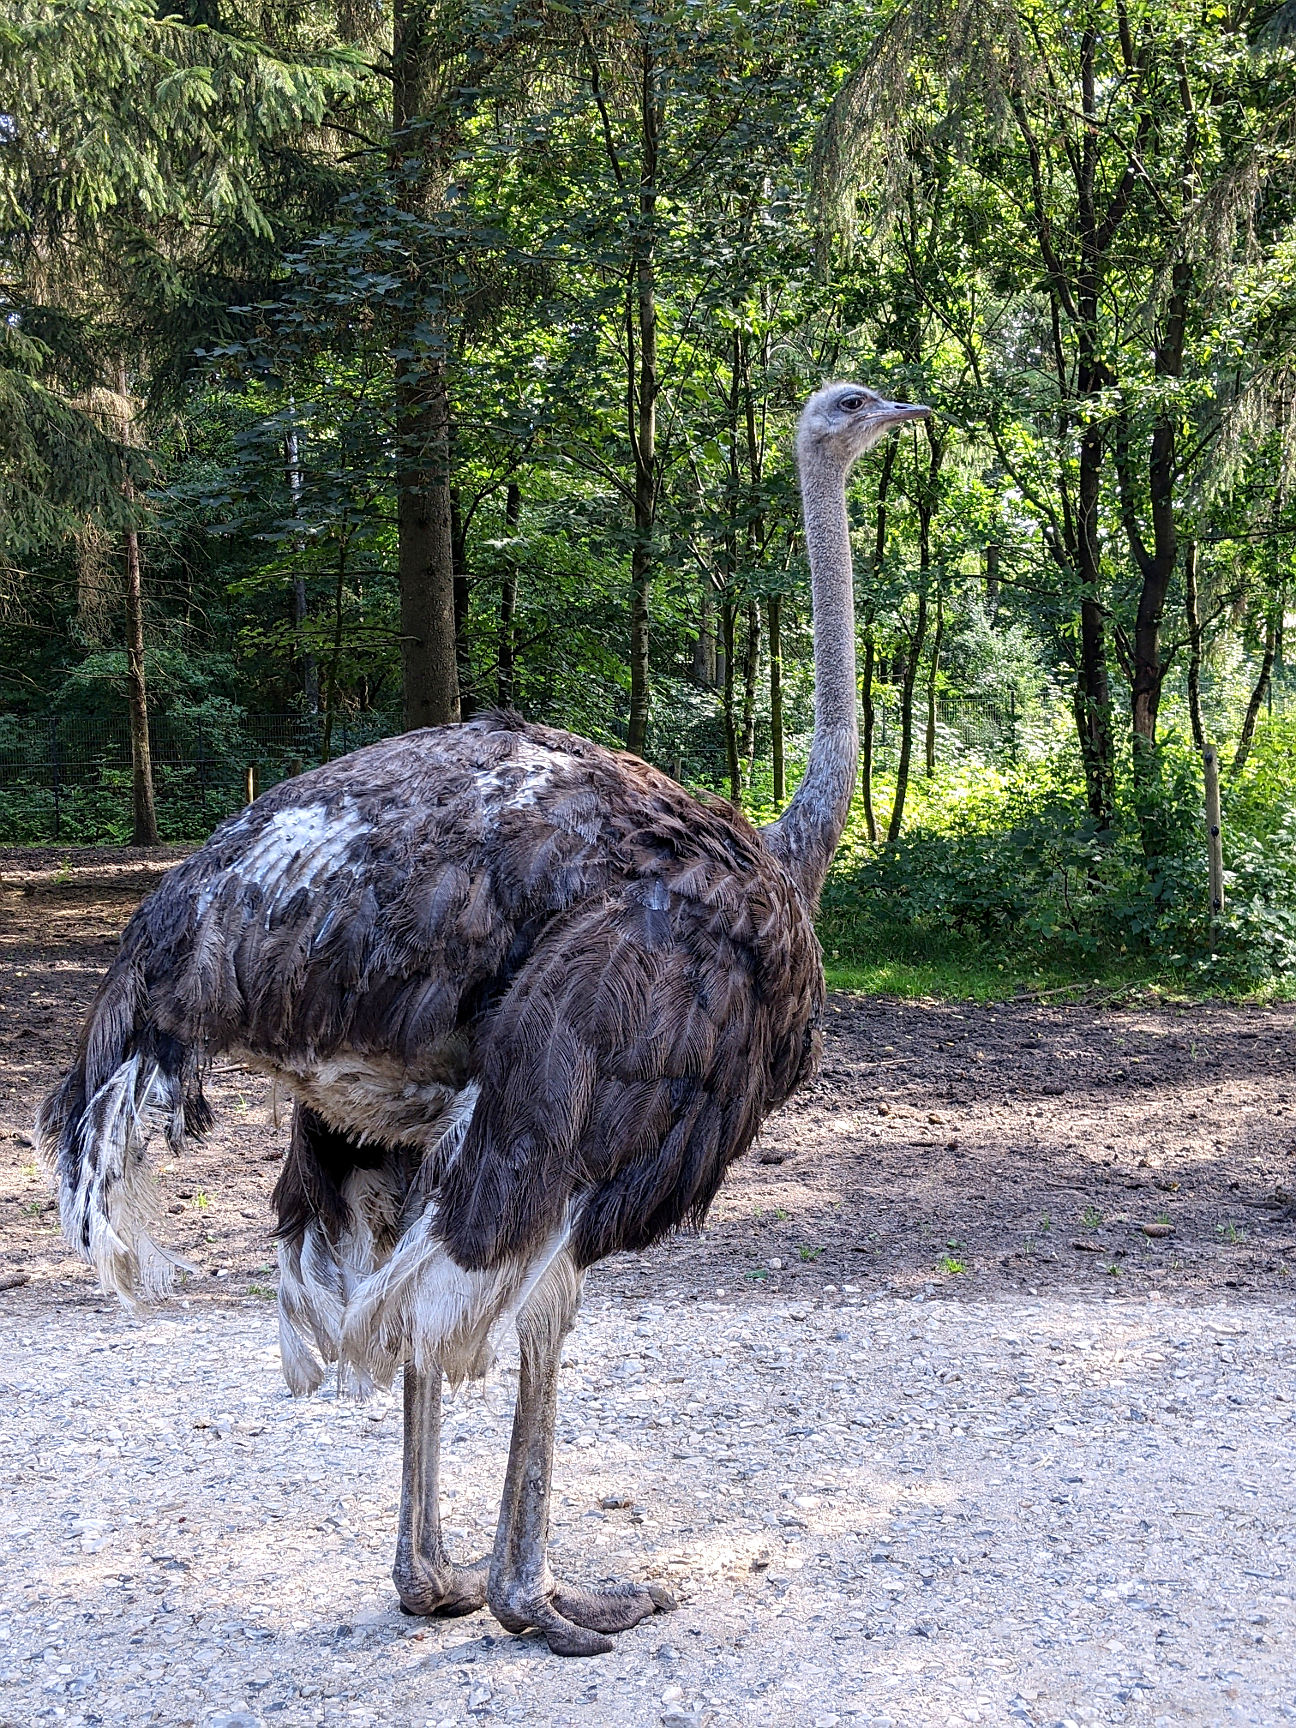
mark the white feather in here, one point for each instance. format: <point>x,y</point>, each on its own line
<point>108,1214</point>
<point>295,849</point>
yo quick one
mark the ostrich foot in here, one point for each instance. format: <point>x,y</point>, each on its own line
<point>615,1608</point>
<point>444,1591</point>
<point>574,1619</point>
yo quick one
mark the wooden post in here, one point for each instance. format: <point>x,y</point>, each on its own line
<point>250,783</point>
<point>1214,838</point>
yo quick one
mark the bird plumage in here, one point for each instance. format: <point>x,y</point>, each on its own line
<point>624,973</point>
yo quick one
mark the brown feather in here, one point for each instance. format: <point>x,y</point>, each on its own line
<point>628,973</point>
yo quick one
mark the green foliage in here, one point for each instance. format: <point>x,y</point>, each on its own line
<point>224,270</point>
<point>1017,870</point>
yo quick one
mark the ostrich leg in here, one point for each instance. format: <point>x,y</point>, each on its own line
<point>425,1578</point>
<point>522,1590</point>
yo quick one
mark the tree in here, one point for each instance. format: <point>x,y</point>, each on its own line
<point>127,135</point>
<point>1093,168</point>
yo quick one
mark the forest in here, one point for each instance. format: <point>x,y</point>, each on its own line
<point>363,366</point>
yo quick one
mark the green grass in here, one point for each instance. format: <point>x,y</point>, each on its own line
<point>967,974</point>
<point>976,978</point>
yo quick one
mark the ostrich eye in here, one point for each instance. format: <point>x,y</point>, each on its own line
<point>851,404</point>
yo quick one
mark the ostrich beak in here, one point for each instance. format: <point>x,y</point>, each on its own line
<point>896,413</point>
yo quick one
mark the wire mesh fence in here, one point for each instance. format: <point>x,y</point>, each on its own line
<point>67,778</point>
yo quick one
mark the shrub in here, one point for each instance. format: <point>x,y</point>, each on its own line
<point>1015,866</point>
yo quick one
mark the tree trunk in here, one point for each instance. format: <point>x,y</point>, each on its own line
<point>704,645</point>
<point>641,575</point>
<point>506,646</point>
<point>425,557</point>
<point>1194,644</point>
<point>1156,567</point>
<point>906,719</point>
<point>992,556</point>
<point>930,762</point>
<point>335,658</point>
<point>751,671</point>
<point>423,124</point>
<point>1148,668</point>
<point>306,661</point>
<point>308,666</point>
<point>1081,388</point>
<point>1093,691</point>
<point>774,609</point>
<point>1092,375</point>
<point>926,501</point>
<point>462,600</point>
<point>643,400</point>
<point>1156,563</point>
<point>144,831</point>
<point>755,544</point>
<point>729,613</point>
<point>870,647</point>
<point>1259,693</point>
<point>866,739</point>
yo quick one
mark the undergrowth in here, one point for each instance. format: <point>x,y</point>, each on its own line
<point>1001,883</point>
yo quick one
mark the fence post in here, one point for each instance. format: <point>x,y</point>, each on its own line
<point>54,773</point>
<point>1214,837</point>
<point>249,783</point>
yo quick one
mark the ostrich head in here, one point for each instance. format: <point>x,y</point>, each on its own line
<point>842,421</point>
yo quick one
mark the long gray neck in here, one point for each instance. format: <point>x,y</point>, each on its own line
<point>806,834</point>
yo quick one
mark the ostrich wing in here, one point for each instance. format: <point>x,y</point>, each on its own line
<point>633,1058</point>
<point>371,905</point>
<point>626,971</point>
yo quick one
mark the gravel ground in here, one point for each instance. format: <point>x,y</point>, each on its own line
<point>874,1510</point>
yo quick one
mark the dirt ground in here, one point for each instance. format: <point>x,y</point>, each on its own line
<point>926,1427</point>
<point>942,1146</point>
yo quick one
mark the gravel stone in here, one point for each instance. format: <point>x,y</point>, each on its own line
<point>972,1558</point>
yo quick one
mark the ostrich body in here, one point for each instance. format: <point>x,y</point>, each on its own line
<point>531,998</point>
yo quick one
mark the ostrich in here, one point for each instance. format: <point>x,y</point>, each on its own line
<point>531,999</point>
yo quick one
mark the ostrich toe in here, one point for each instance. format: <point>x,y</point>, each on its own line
<point>563,1636</point>
<point>575,1620</point>
<point>446,1591</point>
<point>615,1608</point>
